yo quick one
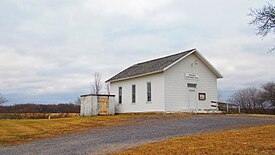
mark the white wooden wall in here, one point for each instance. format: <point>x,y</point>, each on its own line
<point>176,91</point>
<point>88,106</point>
<point>141,105</point>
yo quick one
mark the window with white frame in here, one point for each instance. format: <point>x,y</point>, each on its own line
<point>191,85</point>
<point>149,92</point>
<point>133,93</point>
<point>120,95</point>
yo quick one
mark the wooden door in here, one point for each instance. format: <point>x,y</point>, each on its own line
<point>103,106</point>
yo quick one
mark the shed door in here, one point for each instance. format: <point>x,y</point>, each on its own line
<point>192,99</point>
<point>103,106</point>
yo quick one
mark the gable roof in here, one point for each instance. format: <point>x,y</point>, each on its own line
<point>155,66</point>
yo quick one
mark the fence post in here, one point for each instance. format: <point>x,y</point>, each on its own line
<point>227,108</point>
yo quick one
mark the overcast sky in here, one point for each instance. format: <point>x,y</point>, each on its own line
<point>50,49</point>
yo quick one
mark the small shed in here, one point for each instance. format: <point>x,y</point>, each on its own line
<point>97,104</point>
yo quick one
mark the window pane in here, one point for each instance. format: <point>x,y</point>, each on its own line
<point>133,93</point>
<point>149,98</point>
<point>148,86</point>
<point>191,85</point>
<point>119,94</point>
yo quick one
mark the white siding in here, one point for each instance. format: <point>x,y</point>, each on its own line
<point>88,106</point>
<point>141,105</point>
<point>176,91</point>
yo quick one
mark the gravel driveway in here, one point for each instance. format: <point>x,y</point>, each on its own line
<point>108,139</point>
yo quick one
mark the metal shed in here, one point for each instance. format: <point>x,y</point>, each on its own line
<point>97,104</point>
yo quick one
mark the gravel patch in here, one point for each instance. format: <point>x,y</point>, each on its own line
<point>109,139</point>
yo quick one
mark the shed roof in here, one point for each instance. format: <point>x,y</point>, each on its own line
<point>151,66</point>
<point>108,95</point>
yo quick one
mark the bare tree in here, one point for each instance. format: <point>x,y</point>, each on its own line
<point>96,84</point>
<point>254,100</point>
<point>107,87</point>
<point>268,93</point>
<point>2,99</point>
<point>77,101</point>
<point>248,99</point>
<point>264,20</point>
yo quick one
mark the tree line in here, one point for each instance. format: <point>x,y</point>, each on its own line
<point>256,100</point>
<point>41,108</point>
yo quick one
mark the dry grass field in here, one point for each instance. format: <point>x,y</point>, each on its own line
<point>20,131</point>
<point>253,140</point>
<point>252,115</point>
<point>36,115</point>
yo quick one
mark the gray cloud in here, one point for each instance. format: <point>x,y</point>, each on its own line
<point>51,48</point>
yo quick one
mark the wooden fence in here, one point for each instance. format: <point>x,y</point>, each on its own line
<point>228,108</point>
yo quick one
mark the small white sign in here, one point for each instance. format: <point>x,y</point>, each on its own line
<point>190,76</point>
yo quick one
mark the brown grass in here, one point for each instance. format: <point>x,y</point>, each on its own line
<point>253,140</point>
<point>20,131</point>
<point>36,115</point>
<point>252,115</point>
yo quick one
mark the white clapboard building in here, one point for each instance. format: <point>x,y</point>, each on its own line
<point>182,82</point>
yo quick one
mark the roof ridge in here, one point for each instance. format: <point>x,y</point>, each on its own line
<point>165,56</point>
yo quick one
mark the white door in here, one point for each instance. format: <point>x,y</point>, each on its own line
<point>192,99</point>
